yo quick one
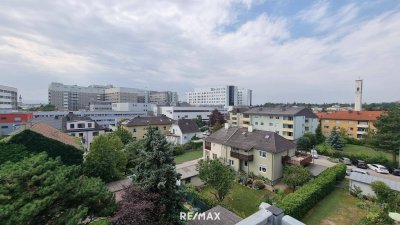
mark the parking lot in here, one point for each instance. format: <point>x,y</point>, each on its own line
<point>323,161</point>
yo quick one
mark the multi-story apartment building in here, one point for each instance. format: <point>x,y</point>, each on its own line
<point>163,97</point>
<point>245,97</point>
<point>355,123</point>
<point>83,127</point>
<point>190,112</point>
<point>213,96</point>
<point>10,122</point>
<point>8,98</point>
<point>73,97</point>
<point>138,126</point>
<point>290,122</point>
<point>236,118</point>
<point>250,151</point>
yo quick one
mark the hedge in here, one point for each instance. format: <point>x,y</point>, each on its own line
<point>297,204</point>
<point>35,143</point>
<point>12,152</point>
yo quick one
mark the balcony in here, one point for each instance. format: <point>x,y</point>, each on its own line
<point>362,125</point>
<point>301,159</point>
<point>237,155</point>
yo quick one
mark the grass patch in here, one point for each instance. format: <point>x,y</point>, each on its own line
<point>359,149</point>
<point>189,155</point>
<point>243,200</point>
<point>339,207</point>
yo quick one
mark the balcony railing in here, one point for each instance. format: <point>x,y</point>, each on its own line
<point>242,156</point>
<point>299,158</point>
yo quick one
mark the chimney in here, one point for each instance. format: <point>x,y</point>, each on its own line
<point>226,126</point>
<point>250,128</point>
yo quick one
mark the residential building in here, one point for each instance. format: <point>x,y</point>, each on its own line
<point>213,96</point>
<point>363,181</point>
<point>138,126</point>
<point>355,123</point>
<point>134,107</point>
<point>10,122</point>
<point>237,119</point>
<point>100,106</point>
<point>189,173</point>
<point>8,98</point>
<point>245,97</point>
<point>190,112</point>
<point>288,121</point>
<point>250,151</point>
<point>163,97</point>
<point>103,118</point>
<point>83,127</point>
<point>182,131</point>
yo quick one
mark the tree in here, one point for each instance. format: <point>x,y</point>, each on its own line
<point>155,173</point>
<point>295,176</point>
<point>132,151</point>
<point>199,121</point>
<point>320,138</point>
<point>216,118</point>
<point>139,207</point>
<point>124,135</point>
<point>12,152</point>
<point>218,176</point>
<point>335,140</point>
<point>41,190</point>
<point>106,158</point>
<point>307,142</point>
<point>387,134</point>
<point>47,107</point>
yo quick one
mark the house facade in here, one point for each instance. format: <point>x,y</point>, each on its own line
<point>10,122</point>
<point>236,118</point>
<point>289,122</point>
<point>182,131</point>
<point>250,151</point>
<point>138,126</point>
<point>356,124</point>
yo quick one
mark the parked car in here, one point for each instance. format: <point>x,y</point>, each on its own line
<point>378,168</point>
<point>356,170</point>
<point>314,154</point>
<point>396,172</point>
<point>360,164</point>
<point>345,160</point>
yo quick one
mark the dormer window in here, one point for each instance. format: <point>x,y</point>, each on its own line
<point>81,125</point>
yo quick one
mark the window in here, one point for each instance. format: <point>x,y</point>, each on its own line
<point>326,127</point>
<point>134,130</point>
<point>184,137</point>
<point>277,117</point>
<point>188,180</point>
<point>72,126</point>
<point>271,117</point>
<point>214,156</point>
<point>261,123</point>
<point>80,134</point>
<point>326,121</point>
<point>306,128</point>
<point>262,169</point>
<point>306,120</point>
<point>255,123</point>
<point>3,127</point>
<point>81,125</point>
<point>263,154</point>
<point>89,124</point>
<point>230,162</point>
<point>350,128</point>
<point>245,163</point>
<point>165,127</point>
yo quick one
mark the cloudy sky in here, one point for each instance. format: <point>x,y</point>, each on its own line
<point>287,50</point>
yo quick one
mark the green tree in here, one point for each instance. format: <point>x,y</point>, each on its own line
<point>335,140</point>
<point>295,176</point>
<point>155,172</point>
<point>307,142</point>
<point>318,135</point>
<point>41,190</point>
<point>132,151</point>
<point>106,158</point>
<point>387,134</point>
<point>216,117</point>
<point>199,121</point>
<point>12,152</point>
<point>124,135</point>
<point>47,107</point>
<point>218,176</point>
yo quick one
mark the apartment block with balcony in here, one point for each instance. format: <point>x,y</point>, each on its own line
<point>236,118</point>
<point>250,151</point>
<point>356,124</point>
<point>8,98</point>
<point>289,122</point>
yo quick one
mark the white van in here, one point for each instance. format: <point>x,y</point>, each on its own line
<point>314,154</point>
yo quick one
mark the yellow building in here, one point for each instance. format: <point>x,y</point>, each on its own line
<point>138,126</point>
<point>238,119</point>
<point>355,123</point>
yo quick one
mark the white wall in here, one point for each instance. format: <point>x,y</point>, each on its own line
<point>179,112</point>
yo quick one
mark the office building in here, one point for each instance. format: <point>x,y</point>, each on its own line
<point>223,96</point>
<point>191,112</point>
<point>122,94</point>
<point>100,106</point>
<point>8,98</point>
<point>163,97</point>
<point>150,109</point>
<point>245,97</point>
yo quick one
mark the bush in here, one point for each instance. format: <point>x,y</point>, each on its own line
<point>178,150</point>
<point>258,184</point>
<point>297,204</point>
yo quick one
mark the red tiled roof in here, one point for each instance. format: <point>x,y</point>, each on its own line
<point>54,134</point>
<point>350,115</point>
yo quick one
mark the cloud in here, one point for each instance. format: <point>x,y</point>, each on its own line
<point>179,45</point>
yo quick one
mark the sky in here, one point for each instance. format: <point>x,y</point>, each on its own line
<point>285,51</point>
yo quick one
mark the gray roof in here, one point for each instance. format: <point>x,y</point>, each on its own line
<point>368,179</point>
<point>148,121</point>
<point>187,169</point>
<point>282,111</point>
<point>55,122</point>
<point>240,109</point>
<point>187,126</point>
<point>226,217</point>
<point>257,139</point>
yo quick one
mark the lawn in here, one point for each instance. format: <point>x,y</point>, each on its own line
<point>359,149</point>
<point>243,200</point>
<point>189,155</point>
<point>339,207</point>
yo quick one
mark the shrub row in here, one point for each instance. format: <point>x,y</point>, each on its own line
<point>180,149</point>
<point>297,204</point>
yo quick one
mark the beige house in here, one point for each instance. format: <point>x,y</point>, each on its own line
<point>252,151</point>
<point>237,118</point>
<point>138,126</point>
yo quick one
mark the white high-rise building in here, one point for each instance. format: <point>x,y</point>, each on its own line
<point>245,97</point>
<point>218,96</point>
<point>358,100</point>
<point>8,98</point>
